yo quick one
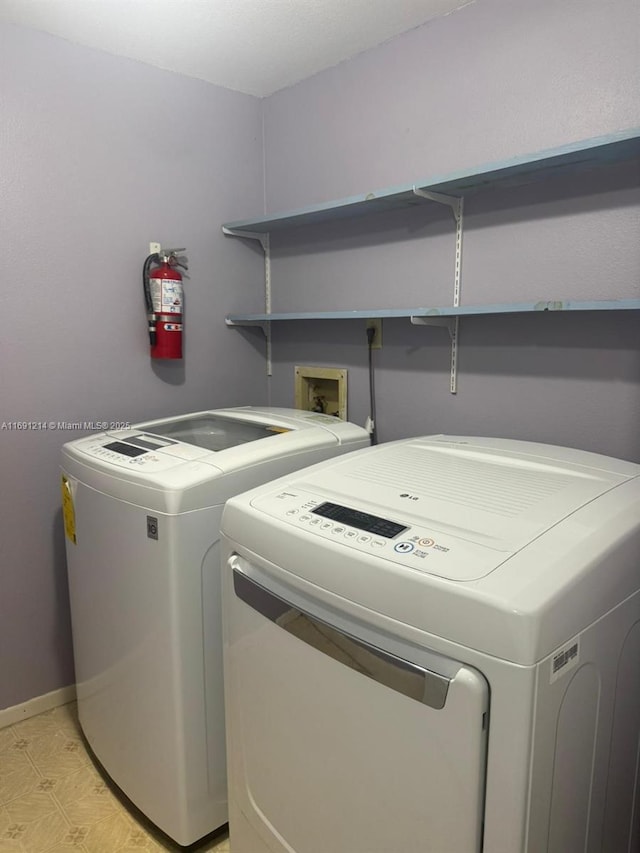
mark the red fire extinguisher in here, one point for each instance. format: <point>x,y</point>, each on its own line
<point>164,298</point>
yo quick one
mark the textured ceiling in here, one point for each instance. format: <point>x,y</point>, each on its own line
<point>252,46</point>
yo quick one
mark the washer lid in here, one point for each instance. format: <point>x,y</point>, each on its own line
<point>225,429</point>
<point>209,431</point>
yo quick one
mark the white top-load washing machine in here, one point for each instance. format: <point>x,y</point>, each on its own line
<point>142,515</point>
<point>431,646</point>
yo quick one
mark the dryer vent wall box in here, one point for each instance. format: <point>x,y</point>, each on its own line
<point>462,612</point>
<point>142,512</point>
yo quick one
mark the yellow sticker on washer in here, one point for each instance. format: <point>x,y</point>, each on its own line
<point>68,510</point>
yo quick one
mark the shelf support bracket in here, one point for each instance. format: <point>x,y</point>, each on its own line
<point>263,238</point>
<point>260,236</point>
<point>264,325</point>
<point>451,325</point>
<point>456,203</point>
<point>439,198</point>
<point>448,323</point>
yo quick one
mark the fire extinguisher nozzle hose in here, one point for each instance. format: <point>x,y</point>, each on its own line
<point>145,280</point>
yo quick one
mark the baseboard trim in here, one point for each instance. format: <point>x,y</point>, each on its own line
<point>37,705</point>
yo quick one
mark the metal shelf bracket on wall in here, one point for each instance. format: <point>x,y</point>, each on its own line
<point>456,203</point>
<point>451,324</point>
<point>263,238</point>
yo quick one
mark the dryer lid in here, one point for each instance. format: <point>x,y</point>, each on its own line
<point>500,497</point>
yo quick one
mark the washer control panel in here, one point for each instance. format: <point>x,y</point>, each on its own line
<point>138,451</point>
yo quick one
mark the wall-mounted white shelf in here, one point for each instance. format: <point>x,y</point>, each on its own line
<point>579,156</point>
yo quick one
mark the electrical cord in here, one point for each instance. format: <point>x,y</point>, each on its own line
<point>371,333</point>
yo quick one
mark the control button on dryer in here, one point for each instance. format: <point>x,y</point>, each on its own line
<point>403,547</point>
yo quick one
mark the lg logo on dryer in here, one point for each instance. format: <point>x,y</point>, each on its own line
<point>409,497</point>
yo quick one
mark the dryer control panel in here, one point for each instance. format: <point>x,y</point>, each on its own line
<point>399,540</point>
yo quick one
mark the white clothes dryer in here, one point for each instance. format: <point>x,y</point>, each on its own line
<point>142,515</point>
<point>431,646</point>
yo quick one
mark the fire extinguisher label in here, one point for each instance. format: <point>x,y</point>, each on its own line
<point>166,295</point>
<point>173,327</point>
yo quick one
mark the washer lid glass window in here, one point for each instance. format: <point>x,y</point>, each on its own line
<point>212,432</point>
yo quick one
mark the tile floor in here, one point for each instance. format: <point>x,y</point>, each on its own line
<point>54,798</point>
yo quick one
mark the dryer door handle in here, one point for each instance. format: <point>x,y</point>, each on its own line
<point>403,676</point>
